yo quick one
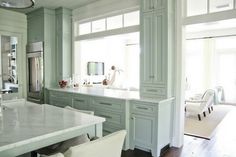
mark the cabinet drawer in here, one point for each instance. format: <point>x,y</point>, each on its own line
<point>60,102</point>
<point>107,103</point>
<point>59,94</point>
<point>153,92</point>
<point>143,107</point>
<point>80,103</point>
<point>60,99</point>
<point>112,118</point>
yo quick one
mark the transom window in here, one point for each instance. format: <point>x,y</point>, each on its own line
<point>108,23</point>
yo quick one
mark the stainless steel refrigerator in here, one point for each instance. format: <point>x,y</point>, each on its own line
<point>35,71</point>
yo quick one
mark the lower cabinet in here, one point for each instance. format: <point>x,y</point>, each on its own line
<point>142,131</point>
<point>60,99</point>
<point>150,125</point>
<point>80,102</point>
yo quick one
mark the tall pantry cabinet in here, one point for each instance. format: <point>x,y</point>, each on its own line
<point>157,45</point>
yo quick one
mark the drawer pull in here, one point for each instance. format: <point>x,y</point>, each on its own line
<point>142,108</point>
<point>108,117</point>
<point>78,100</point>
<point>152,90</point>
<point>104,103</point>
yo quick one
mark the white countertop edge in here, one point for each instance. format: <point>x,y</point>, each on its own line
<point>42,137</point>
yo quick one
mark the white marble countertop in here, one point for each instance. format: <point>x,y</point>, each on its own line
<point>103,92</point>
<point>110,93</point>
<point>22,123</point>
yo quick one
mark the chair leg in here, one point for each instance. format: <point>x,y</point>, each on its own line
<point>204,114</point>
<point>199,117</point>
<point>209,110</point>
<point>212,108</point>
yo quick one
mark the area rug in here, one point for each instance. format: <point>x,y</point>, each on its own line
<point>207,126</point>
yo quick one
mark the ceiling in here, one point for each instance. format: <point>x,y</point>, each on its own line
<point>52,4</point>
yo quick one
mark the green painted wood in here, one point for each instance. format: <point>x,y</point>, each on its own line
<point>64,43</point>
<point>15,24</point>
<point>41,27</point>
<point>151,5</point>
<point>150,125</point>
<point>80,102</point>
<point>157,49</point>
<point>60,99</point>
<point>116,111</point>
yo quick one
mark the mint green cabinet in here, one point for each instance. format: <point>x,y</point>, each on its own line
<point>41,27</point>
<point>156,66</point>
<point>150,125</point>
<point>80,102</point>
<point>151,5</point>
<point>142,130</point>
<point>60,99</point>
<point>113,110</point>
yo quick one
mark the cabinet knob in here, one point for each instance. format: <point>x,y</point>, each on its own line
<point>132,118</point>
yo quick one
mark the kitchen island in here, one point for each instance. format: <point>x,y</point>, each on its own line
<point>26,126</point>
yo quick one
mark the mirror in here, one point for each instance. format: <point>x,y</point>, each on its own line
<point>8,68</point>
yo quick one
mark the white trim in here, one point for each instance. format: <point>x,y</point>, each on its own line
<point>223,15</point>
<point>124,30</point>
<point>211,33</point>
<point>178,123</point>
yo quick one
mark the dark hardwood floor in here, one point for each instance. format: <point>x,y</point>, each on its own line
<point>222,144</point>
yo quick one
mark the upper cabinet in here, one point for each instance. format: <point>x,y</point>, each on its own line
<point>53,27</point>
<point>157,35</point>
<point>151,5</point>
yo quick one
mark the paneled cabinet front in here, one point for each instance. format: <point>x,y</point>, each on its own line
<point>113,110</point>
<point>153,57</point>
<point>80,102</point>
<point>60,99</point>
<point>142,131</point>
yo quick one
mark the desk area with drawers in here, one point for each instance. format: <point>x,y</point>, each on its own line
<point>147,121</point>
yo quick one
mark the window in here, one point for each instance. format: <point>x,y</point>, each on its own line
<point>200,7</point>
<point>209,63</point>
<point>85,28</point>
<point>98,26</point>
<point>131,19</point>
<point>108,23</point>
<point>196,7</point>
<point>114,22</point>
<point>221,5</point>
<point>121,51</point>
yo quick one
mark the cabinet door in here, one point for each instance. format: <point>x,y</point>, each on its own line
<point>142,130</point>
<point>146,58</point>
<point>159,50</point>
<point>80,103</point>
